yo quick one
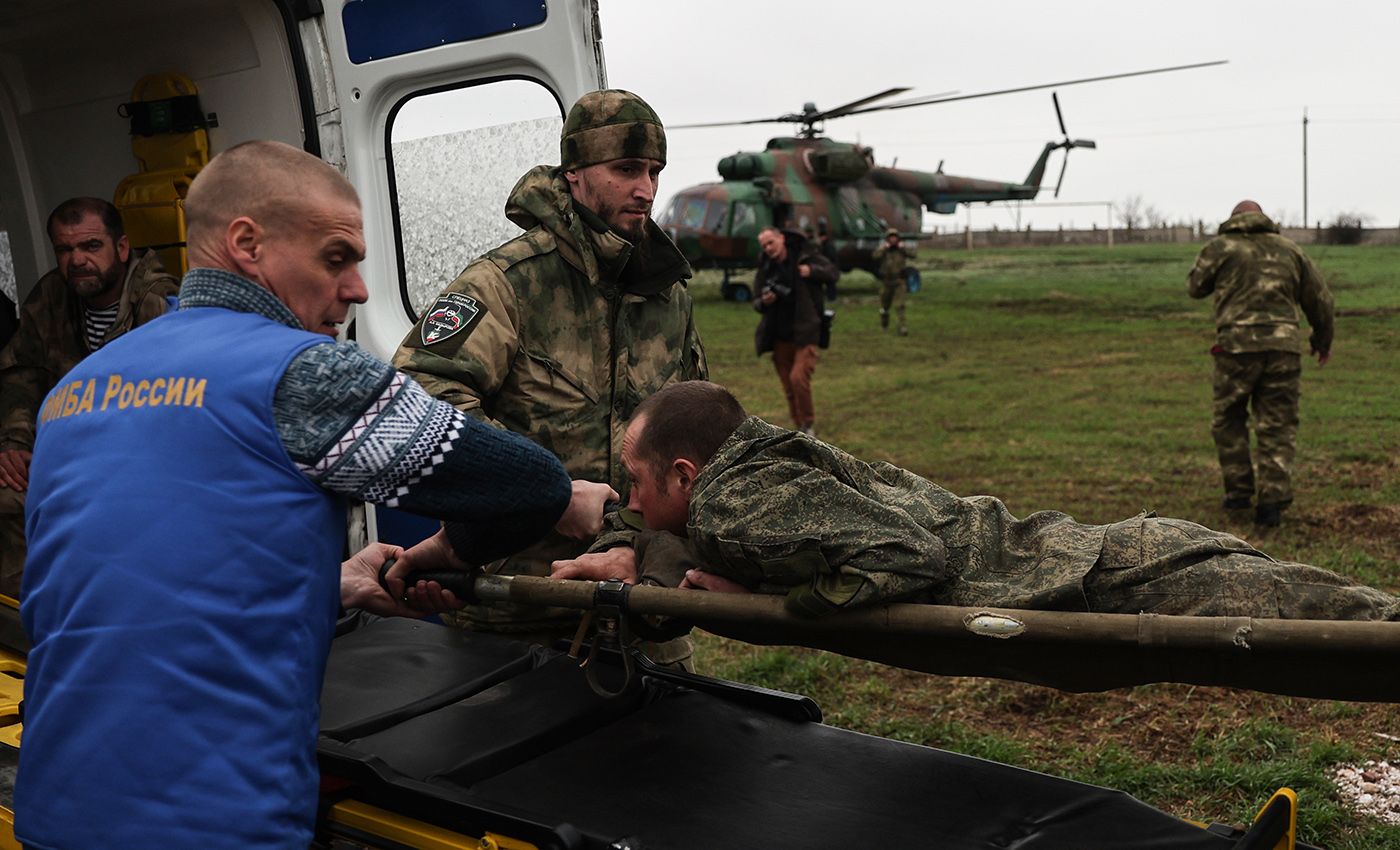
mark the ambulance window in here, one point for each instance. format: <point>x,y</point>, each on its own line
<point>455,154</point>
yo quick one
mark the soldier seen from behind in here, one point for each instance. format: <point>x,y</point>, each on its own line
<point>559,333</point>
<point>891,259</point>
<point>100,289</point>
<point>792,276</point>
<point>1260,281</point>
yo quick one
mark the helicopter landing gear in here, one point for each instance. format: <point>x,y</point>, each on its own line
<point>734,291</point>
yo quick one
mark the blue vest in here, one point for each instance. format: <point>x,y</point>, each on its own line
<point>180,591</point>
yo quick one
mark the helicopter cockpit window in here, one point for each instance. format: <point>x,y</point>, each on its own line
<point>455,155</point>
<point>692,214</point>
<point>745,221</point>
<point>715,217</point>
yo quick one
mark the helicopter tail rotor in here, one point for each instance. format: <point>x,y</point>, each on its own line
<point>1066,143</point>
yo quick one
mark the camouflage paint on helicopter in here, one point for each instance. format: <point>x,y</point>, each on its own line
<point>809,180</point>
<point>798,183</point>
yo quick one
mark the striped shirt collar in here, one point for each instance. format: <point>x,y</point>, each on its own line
<point>205,287</point>
<point>97,322</point>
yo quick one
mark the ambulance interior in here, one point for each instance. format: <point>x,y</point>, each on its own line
<point>68,66</point>
<point>125,101</point>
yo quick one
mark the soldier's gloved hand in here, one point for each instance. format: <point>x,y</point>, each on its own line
<point>583,518</point>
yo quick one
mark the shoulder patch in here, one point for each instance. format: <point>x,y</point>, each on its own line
<point>451,314</point>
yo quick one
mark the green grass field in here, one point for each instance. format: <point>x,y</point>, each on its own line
<point>1079,379</point>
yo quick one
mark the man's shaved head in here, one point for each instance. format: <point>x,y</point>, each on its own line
<point>269,182</point>
<point>1244,207</point>
<point>286,221</point>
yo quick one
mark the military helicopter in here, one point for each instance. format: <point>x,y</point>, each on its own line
<point>811,182</point>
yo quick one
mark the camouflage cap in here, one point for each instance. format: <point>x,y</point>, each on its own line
<point>607,125</point>
<point>893,231</point>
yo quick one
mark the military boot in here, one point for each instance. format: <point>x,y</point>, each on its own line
<point>1269,515</point>
<point>884,320</point>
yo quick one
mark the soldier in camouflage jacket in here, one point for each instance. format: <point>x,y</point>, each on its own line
<point>891,259</point>
<point>561,332</point>
<point>52,338</point>
<point>774,511</point>
<point>1260,281</point>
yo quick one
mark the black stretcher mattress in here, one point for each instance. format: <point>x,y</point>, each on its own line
<point>477,733</point>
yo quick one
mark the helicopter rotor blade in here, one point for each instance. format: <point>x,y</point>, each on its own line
<point>926,101</point>
<point>856,104</point>
<point>781,119</point>
<point>1063,164</point>
<point>807,118</point>
<point>920,99</point>
<point>1059,116</point>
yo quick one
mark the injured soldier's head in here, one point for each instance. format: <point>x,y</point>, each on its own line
<point>671,437</point>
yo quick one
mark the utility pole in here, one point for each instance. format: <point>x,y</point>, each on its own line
<point>1305,167</point>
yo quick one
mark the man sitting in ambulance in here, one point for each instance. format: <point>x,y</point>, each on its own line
<point>100,289</point>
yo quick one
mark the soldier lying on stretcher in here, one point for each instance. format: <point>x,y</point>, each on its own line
<point>735,504</point>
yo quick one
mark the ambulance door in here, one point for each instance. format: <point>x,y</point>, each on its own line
<point>442,106</point>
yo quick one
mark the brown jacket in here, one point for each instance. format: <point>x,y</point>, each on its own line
<point>51,340</point>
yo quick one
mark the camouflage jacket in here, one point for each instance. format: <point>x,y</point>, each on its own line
<point>780,512</point>
<point>51,340</point>
<point>563,331</point>
<point>1260,280</point>
<point>890,263</point>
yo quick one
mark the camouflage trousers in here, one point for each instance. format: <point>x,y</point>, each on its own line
<point>1171,566</point>
<point>1263,383</point>
<point>12,545</point>
<point>892,294</point>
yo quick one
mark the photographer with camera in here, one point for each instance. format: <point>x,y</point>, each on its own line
<point>792,274</point>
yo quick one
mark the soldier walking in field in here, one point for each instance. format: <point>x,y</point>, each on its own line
<point>1260,281</point>
<point>891,259</point>
<point>559,333</point>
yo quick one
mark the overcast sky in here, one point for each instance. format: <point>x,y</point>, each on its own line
<point>1191,144</point>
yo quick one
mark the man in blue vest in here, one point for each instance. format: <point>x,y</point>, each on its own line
<point>186,518</point>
